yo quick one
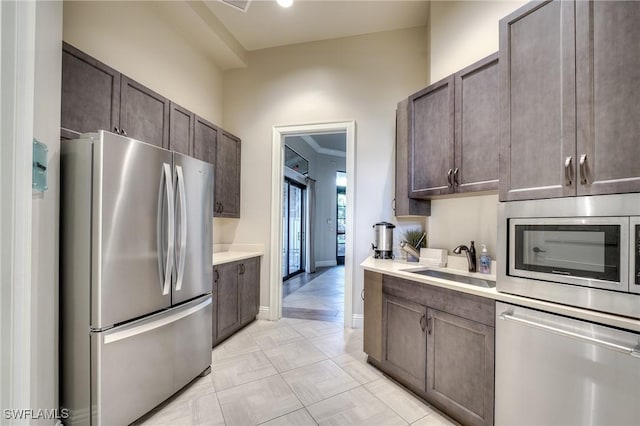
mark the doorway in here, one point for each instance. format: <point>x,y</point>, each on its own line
<point>293,225</point>
<point>341,215</point>
<point>326,222</point>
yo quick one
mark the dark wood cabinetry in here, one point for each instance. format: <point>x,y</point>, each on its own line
<point>404,342</point>
<point>236,293</point>
<point>402,204</point>
<point>570,95</point>
<point>454,133</point>
<point>227,177</point>
<point>460,366</point>
<point>439,343</point>
<point>181,129</point>
<point>97,97</point>
<point>144,114</point>
<point>372,295</point>
<point>90,94</point>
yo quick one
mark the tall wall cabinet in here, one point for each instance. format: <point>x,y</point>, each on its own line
<point>569,73</point>
<point>97,97</point>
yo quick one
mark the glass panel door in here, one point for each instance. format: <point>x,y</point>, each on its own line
<point>292,229</point>
<point>341,216</point>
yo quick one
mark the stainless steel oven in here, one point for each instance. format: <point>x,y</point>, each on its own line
<point>580,251</point>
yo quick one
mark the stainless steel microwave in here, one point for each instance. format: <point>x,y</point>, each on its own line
<point>579,251</point>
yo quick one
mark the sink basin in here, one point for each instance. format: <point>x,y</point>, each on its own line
<point>454,277</point>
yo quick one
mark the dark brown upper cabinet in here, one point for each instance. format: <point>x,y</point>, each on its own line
<point>402,204</point>
<point>181,129</point>
<point>205,136</point>
<point>90,94</point>
<point>454,133</point>
<point>570,95</point>
<point>227,176</point>
<point>144,114</point>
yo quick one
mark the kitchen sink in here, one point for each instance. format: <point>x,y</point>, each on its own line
<point>454,277</point>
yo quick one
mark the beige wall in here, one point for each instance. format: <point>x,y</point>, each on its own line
<point>461,33</point>
<point>140,40</point>
<point>357,78</point>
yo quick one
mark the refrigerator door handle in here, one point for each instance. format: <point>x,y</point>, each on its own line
<point>135,330</point>
<point>182,254</point>
<point>168,266</point>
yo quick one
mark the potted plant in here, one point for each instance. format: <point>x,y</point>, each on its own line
<point>417,238</point>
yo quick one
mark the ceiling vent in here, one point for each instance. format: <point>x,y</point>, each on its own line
<point>242,5</point>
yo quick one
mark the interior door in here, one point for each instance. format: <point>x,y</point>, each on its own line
<point>132,193</point>
<point>193,271</point>
<point>293,229</point>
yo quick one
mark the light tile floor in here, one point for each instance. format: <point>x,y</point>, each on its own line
<point>294,372</point>
<point>319,298</point>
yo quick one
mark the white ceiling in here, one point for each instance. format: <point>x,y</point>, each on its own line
<point>265,24</point>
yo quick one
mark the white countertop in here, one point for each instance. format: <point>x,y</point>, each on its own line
<point>399,269</point>
<point>225,253</point>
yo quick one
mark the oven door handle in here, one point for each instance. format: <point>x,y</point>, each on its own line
<point>634,352</point>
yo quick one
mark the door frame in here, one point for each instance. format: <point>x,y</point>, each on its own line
<point>277,178</point>
<point>17,65</point>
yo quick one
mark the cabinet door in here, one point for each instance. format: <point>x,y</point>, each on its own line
<point>214,295</point>
<point>373,315</point>
<point>249,287</point>
<point>144,114</point>
<point>608,93</point>
<point>227,303</point>
<point>431,115</point>
<point>227,179</point>
<point>537,62</point>
<point>402,204</point>
<point>460,367</point>
<point>205,136</point>
<point>181,129</point>
<point>477,126</point>
<point>404,341</point>
<point>90,94</point>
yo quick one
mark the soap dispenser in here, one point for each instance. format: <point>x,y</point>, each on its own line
<point>472,256</point>
<point>485,261</point>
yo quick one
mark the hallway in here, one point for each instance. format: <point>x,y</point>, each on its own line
<point>318,296</point>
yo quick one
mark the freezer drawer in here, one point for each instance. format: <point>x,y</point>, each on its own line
<point>553,370</point>
<point>139,365</point>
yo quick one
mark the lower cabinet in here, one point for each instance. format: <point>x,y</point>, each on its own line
<point>440,344</point>
<point>372,333</point>
<point>236,292</point>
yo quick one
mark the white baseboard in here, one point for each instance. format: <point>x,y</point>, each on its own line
<point>357,321</point>
<point>264,313</point>
<point>323,263</point>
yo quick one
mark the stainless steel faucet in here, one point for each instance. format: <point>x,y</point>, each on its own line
<point>471,255</point>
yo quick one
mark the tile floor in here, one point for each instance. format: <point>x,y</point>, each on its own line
<point>318,296</point>
<point>293,372</point>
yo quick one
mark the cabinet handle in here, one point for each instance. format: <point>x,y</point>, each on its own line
<point>123,132</point>
<point>449,177</point>
<point>422,325</point>
<point>455,176</point>
<point>583,169</point>
<point>393,204</point>
<point>567,170</point>
<point>217,275</point>
<point>115,129</point>
<point>429,325</point>
<point>362,294</point>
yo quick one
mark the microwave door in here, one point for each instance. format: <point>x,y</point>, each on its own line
<point>588,252</point>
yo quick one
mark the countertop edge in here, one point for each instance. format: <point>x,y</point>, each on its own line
<point>394,268</point>
<point>220,258</point>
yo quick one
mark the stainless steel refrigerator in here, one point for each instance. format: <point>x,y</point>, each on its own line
<point>136,276</point>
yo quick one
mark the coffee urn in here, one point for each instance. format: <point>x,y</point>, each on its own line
<point>383,247</point>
